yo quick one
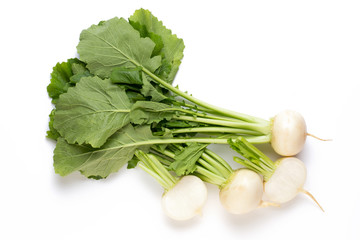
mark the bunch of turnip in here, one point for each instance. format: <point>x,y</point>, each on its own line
<point>283,179</point>
<point>183,197</point>
<point>117,100</point>
<point>240,190</point>
<point>261,183</point>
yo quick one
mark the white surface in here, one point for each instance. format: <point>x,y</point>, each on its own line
<point>256,57</point>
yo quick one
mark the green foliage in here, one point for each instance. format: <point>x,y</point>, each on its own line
<point>123,79</point>
<point>133,163</point>
<point>91,112</point>
<point>60,78</point>
<point>146,112</point>
<point>253,158</point>
<point>79,71</point>
<point>115,43</point>
<point>100,162</point>
<point>63,76</point>
<point>185,159</point>
<point>171,46</point>
<point>126,75</point>
<point>52,133</point>
<point>155,92</point>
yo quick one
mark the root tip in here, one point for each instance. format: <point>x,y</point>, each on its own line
<point>312,197</point>
<point>321,139</point>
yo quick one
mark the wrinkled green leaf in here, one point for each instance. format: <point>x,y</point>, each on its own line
<point>173,47</point>
<point>145,33</point>
<point>134,96</point>
<point>60,78</point>
<point>52,133</point>
<point>135,80</point>
<point>79,71</point>
<point>149,90</point>
<point>115,43</point>
<point>181,124</point>
<point>126,75</point>
<point>91,112</point>
<point>79,67</point>
<point>132,163</point>
<point>146,112</point>
<point>100,162</point>
<point>185,160</point>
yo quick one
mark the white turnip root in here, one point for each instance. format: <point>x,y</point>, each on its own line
<point>186,199</point>
<point>288,133</point>
<point>283,179</point>
<point>183,197</point>
<point>287,181</point>
<point>243,192</point>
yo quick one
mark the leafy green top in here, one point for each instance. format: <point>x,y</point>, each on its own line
<point>168,45</point>
<point>100,162</point>
<point>253,159</point>
<point>115,43</point>
<point>91,111</point>
<point>118,98</point>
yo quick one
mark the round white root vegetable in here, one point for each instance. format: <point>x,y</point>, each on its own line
<point>243,192</point>
<point>186,199</point>
<point>288,133</point>
<point>287,181</point>
<point>283,179</point>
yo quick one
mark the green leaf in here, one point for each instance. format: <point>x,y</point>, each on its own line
<point>134,96</point>
<point>100,162</point>
<point>80,71</point>
<point>185,160</point>
<point>126,75</point>
<point>133,163</point>
<point>146,112</point>
<point>173,46</point>
<point>149,90</point>
<point>60,78</point>
<point>115,43</point>
<point>181,124</point>
<point>145,33</point>
<point>131,78</point>
<point>79,67</point>
<point>253,158</point>
<point>52,133</point>
<point>91,112</point>
<point>65,75</point>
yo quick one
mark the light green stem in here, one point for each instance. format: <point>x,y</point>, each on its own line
<point>219,160</point>
<point>261,128</point>
<point>199,114</point>
<point>251,139</point>
<point>190,98</point>
<point>161,181</point>
<point>152,165</point>
<point>220,169</point>
<point>216,130</point>
<point>211,177</point>
<point>208,166</point>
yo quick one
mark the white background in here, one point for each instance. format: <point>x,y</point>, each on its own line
<point>255,57</point>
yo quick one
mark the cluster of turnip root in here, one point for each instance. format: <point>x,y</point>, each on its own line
<point>261,182</point>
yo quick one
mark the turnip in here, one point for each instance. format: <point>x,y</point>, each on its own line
<point>286,131</point>
<point>183,197</point>
<point>283,179</point>
<point>241,190</point>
